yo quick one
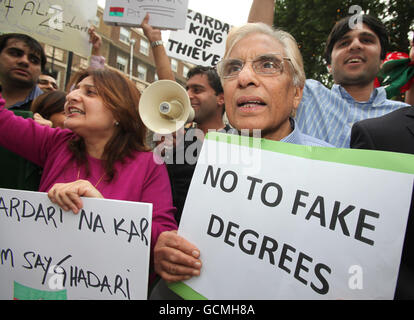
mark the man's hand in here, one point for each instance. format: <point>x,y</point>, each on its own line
<point>176,259</point>
<point>96,41</point>
<point>153,34</point>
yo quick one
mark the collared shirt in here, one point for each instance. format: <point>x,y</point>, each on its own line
<point>329,114</point>
<point>26,103</point>
<point>297,137</point>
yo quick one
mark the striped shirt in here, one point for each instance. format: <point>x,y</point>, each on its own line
<point>328,114</point>
<point>297,137</point>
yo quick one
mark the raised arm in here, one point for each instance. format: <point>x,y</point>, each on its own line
<point>97,61</point>
<point>162,62</point>
<point>262,11</point>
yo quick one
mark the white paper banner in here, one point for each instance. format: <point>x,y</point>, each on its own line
<point>298,228</point>
<point>46,253</point>
<point>164,14</point>
<point>60,23</point>
<point>202,42</point>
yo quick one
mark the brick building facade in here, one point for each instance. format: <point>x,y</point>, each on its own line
<point>116,48</point>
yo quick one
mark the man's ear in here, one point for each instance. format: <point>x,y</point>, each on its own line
<point>297,98</point>
<point>220,99</point>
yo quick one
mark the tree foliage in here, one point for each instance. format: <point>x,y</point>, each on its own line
<point>310,22</point>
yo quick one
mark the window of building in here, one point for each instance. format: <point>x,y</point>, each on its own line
<point>144,46</point>
<point>185,70</point>
<point>174,65</point>
<point>124,35</point>
<point>142,72</point>
<point>54,52</point>
<point>121,63</point>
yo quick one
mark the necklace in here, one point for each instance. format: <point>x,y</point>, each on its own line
<point>100,179</point>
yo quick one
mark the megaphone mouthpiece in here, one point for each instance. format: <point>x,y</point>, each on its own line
<point>165,107</point>
<point>172,110</point>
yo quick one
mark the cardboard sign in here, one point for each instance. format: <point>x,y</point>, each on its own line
<point>46,253</point>
<point>60,23</point>
<point>164,14</point>
<point>202,42</point>
<point>309,223</point>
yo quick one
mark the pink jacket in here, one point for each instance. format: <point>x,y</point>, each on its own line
<point>139,178</point>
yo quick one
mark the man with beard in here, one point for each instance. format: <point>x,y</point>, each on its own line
<point>21,61</point>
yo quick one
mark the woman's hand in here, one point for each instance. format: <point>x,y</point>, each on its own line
<point>42,121</point>
<point>67,195</point>
<point>176,259</point>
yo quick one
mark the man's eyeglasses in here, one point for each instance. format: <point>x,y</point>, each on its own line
<point>266,64</point>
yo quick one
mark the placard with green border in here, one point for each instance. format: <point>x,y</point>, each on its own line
<point>390,161</point>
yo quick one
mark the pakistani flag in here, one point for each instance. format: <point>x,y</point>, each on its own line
<point>116,12</point>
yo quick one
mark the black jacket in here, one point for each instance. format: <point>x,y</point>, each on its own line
<point>393,132</point>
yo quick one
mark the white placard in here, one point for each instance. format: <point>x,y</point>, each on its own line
<point>164,14</point>
<point>302,227</point>
<point>60,23</point>
<point>202,42</point>
<point>46,253</point>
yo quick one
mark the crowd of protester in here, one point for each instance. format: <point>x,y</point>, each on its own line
<point>90,141</point>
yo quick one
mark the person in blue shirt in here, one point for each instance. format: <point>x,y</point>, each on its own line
<point>22,60</point>
<point>354,53</point>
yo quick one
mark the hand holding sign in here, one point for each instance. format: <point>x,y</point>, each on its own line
<point>96,41</point>
<point>67,195</point>
<point>153,34</point>
<point>176,259</point>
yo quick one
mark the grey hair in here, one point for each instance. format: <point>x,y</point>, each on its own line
<point>284,38</point>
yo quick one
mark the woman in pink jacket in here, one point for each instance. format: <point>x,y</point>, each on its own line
<point>103,155</point>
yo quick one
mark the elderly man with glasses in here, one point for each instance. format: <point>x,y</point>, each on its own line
<point>263,78</point>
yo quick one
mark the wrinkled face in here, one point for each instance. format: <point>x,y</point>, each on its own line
<point>203,98</point>
<point>356,58</point>
<point>86,113</point>
<point>19,65</point>
<point>47,83</point>
<point>259,101</point>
